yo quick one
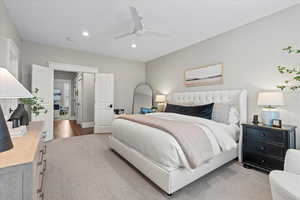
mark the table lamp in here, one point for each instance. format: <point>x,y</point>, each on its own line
<point>10,88</point>
<point>160,100</point>
<point>269,101</point>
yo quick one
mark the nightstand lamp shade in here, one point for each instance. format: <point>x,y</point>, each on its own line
<point>269,101</point>
<point>160,98</point>
<point>10,88</point>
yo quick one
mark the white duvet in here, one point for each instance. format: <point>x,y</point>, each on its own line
<point>162,148</point>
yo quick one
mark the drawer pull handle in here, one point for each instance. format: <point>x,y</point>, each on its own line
<point>45,166</point>
<point>262,134</point>
<point>40,190</point>
<point>261,148</point>
<point>41,157</point>
<point>45,149</point>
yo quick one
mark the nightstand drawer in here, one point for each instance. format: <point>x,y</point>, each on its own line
<point>264,148</point>
<point>262,135</point>
<point>263,161</point>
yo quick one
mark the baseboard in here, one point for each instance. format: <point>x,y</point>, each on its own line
<point>102,129</point>
<point>86,124</point>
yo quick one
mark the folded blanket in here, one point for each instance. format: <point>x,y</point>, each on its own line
<point>192,139</point>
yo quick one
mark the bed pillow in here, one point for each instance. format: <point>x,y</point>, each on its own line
<point>226,113</point>
<point>221,112</point>
<point>204,111</point>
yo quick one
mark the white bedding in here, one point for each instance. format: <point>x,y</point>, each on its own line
<point>162,148</point>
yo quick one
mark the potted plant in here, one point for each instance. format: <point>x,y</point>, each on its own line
<point>293,83</point>
<point>35,104</point>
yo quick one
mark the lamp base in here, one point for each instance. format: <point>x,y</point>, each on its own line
<point>5,140</point>
<point>268,114</point>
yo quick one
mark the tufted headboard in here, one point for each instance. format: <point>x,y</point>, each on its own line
<point>237,97</point>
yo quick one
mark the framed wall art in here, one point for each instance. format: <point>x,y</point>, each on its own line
<point>205,75</point>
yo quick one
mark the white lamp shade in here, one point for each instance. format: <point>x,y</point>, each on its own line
<point>160,98</point>
<point>10,87</point>
<point>270,99</point>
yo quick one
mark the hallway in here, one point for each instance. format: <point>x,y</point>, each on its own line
<point>69,128</point>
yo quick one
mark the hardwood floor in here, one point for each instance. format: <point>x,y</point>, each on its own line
<point>69,128</point>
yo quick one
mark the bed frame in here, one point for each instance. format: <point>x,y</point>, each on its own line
<point>173,180</point>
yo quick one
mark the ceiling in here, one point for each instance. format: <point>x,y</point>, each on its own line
<point>186,21</point>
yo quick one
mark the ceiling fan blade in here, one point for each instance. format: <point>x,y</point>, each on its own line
<point>137,20</point>
<point>123,35</point>
<point>155,33</point>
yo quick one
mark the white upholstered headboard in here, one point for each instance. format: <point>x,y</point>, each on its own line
<point>237,97</point>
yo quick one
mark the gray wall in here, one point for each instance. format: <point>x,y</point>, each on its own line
<point>249,54</point>
<point>127,73</point>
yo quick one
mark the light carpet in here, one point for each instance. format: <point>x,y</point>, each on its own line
<point>84,168</point>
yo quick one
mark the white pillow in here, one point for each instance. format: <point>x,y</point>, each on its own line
<point>226,113</point>
<point>234,116</point>
<point>221,112</point>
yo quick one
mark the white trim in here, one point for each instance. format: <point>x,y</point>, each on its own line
<point>71,67</point>
<point>87,124</point>
<point>102,129</point>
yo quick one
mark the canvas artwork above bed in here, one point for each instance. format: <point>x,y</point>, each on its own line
<point>205,75</point>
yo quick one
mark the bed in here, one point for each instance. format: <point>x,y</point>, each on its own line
<point>157,154</point>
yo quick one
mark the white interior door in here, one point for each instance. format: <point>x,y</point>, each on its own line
<point>43,78</point>
<point>104,98</point>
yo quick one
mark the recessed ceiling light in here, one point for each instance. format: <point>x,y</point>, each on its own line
<point>69,39</point>
<point>85,33</point>
<point>133,45</point>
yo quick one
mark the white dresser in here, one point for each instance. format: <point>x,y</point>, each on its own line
<point>22,168</point>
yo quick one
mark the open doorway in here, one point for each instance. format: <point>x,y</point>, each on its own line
<point>73,101</point>
<point>98,117</point>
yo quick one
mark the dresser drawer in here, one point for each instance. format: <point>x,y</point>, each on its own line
<point>263,161</point>
<point>262,135</point>
<point>265,148</point>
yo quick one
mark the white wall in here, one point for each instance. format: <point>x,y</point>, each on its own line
<point>250,55</point>
<point>127,73</point>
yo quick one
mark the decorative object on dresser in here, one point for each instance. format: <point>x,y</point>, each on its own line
<point>35,103</point>
<point>142,97</point>
<point>19,117</point>
<point>160,100</point>
<point>269,101</point>
<point>264,147</point>
<point>10,88</point>
<point>22,169</point>
<point>205,75</point>
<point>255,119</point>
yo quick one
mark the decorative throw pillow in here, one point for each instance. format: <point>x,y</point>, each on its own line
<point>221,112</point>
<point>226,113</point>
<point>204,111</point>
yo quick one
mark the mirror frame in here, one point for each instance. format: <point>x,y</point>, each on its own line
<point>134,94</point>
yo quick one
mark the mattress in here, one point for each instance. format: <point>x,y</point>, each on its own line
<point>162,148</point>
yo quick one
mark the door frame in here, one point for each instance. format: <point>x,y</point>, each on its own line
<point>72,68</point>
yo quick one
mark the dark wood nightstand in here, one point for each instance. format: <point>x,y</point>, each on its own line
<point>264,147</point>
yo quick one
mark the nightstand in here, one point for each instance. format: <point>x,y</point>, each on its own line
<point>264,147</point>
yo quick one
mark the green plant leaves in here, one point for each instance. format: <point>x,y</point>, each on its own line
<point>35,103</point>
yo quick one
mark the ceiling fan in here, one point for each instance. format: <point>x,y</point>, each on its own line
<point>139,29</point>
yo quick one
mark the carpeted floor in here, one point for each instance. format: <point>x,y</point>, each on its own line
<point>83,168</point>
